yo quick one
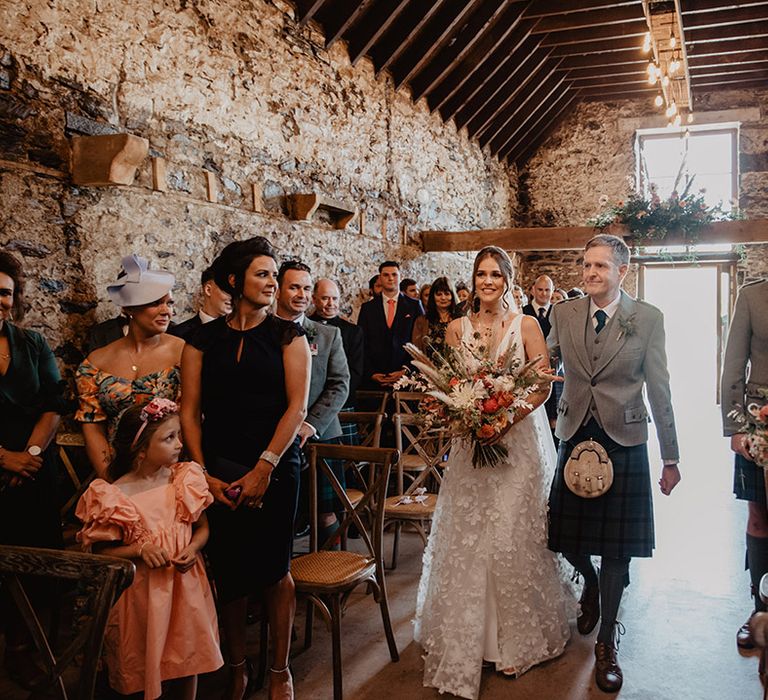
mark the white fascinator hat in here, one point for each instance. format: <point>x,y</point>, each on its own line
<point>137,285</point>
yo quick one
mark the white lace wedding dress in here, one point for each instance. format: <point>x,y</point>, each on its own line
<point>490,589</point>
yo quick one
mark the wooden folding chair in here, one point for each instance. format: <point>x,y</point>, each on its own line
<point>423,450</point>
<point>102,580</point>
<point>328,577</point>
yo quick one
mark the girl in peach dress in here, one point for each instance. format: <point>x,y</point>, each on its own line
<point>163,627</point>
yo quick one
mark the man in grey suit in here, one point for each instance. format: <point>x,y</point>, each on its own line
<point>745,377</point>
<point>329,381</point>
<point>611,345</point>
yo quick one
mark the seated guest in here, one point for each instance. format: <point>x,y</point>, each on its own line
<point>519,296</point>
<point>410,288</point>
<point>387,323</point>
<point>429,330</point>
<point>325,297</point>
<point>134,369</point>
<point>424,295</point>
<point>246,382</point>
<point>575,293</point>
<point>558,295</point>
<point>329,380</point>
<point>31,403</point>
<point>216,302</point>
<point>462,292</point>
<point>374,286</point>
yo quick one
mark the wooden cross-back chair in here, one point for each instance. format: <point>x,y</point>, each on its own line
<point>70,444</point>
<point>373,400</point>
<point>428,447</point>
<point>101,581</point>
<point>327,577</point>
<point>368,424</point>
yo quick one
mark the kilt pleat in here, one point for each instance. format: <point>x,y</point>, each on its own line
<point>617,524</point>
<point>748,480</point>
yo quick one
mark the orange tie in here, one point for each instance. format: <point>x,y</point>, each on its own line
<point>390,312</point>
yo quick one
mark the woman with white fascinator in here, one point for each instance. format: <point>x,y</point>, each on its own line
<point>134,369</point>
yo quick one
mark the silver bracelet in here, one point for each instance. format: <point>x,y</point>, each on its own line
<point>270,457</point>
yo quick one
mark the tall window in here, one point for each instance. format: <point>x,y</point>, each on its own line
<point>706,158</point>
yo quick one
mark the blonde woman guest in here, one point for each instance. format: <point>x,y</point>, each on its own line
<point>134,369</point>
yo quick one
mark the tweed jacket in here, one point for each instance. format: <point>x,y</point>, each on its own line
<point>745,367</point>
<point>329,382</point>
<point>633,356</point>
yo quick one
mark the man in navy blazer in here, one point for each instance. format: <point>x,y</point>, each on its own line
<point>387,322</point>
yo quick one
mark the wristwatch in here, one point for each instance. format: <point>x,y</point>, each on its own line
<point>34,450</point>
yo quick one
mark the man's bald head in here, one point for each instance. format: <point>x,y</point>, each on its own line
<point>542,290</point>
<point>325,297</point>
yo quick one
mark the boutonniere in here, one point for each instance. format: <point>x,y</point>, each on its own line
<point>313,350</point>
<point>627,326</point>
<point>311,334</point>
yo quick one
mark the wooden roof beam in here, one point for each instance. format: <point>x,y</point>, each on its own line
<point>725,16</point>
<point>527,119</point>
<point>423,47</point>
<point>636,67</point>
<point>755,72</point>
<point>529,141</point>
<point>485,51</point>
<point>342,19</point>
<point>745,58</point>
<point>627,43</point>
<point>548,8</point>
<point>693,6</point>
<point>395,40</point>
<point>372,26</point>
<point>589,18</point>
<point>307,9</point>
<point>487,14</point>
<point>481,109</point>
<point>603,33</point>
<point>545,84</point>
<point>625,92</point>
<point>733,45</point>
<point>747,30</point>
<point>601,60</point>
<point>640,78</point>
<point>494,71</point>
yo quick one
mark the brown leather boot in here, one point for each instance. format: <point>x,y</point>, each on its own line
<point>608,675</point>
<point>590,609</point>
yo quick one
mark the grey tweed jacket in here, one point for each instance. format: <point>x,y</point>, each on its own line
<point>633,356</point>
<point>745,367</point>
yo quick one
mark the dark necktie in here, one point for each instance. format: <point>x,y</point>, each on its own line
<point>601,318</point>
<point>542,313</point>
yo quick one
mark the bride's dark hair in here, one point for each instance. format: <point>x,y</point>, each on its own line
<point>505,265</point>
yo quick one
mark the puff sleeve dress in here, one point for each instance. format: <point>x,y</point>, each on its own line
<point>164,625</point>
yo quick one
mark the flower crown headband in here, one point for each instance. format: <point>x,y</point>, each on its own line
<point>155,410</point>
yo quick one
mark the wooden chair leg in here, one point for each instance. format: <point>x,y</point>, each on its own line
<point>308,624</point>
<point>394,654</point>
<point>336,643</point>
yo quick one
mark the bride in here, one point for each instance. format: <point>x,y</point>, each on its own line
<point>490,590</point>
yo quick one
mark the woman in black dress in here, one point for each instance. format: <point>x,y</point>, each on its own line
<point>31,402</point>
<point>441,309</point>
<point>245,382</point>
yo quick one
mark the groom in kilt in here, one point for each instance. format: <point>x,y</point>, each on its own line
<point>611,345</point>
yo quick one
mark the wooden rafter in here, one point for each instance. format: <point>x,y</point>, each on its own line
<point>745,57</point>
<point>530,136</point>
<point>693,6</point>
<point>373,25</point>
<point>726,16</point>
<point>461,43</point>
<point>342,18</point>
<point>510,28</point>
<point>492,72</point>
<point>604,33</point>
<point>589,18</point>
<point>425,46</point>
<point>547,8</point>
<point>747,30</point>
<point>574,237</point>
<point>307,9</point>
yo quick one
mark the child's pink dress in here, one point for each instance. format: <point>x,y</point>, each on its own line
<point>164,625</point>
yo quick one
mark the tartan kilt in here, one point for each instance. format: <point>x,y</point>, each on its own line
<point>617,524</point>
<point>748,480</point>
<point>327,500</point>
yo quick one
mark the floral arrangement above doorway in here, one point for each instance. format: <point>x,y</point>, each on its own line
<point>654,218</point>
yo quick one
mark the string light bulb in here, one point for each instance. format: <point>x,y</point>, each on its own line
<point>671,110</point>
<point>664,80</point>
<point>689,118</point>
<point>672,41</point>
<point>647,42</point>
<point>659,100</point>
<point>677,120</point>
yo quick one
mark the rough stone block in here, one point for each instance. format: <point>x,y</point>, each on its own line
<point>107,159</point>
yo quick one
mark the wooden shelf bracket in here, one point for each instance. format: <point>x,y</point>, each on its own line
<point>301,207</point>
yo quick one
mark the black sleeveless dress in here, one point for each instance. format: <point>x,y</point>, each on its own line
<point>242,403</point>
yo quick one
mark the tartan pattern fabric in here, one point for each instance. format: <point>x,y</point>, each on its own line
<point>349,433</point>
<point>748,480</point>
<point>617,524</point>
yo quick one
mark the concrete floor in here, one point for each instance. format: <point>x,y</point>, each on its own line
<point>681,612</point>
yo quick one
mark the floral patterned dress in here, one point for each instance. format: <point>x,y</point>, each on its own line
<point>490,589</point>
<point>104,397</point>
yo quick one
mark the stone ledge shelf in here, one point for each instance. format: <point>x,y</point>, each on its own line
<point>301,207</point>
<point>109,159</point>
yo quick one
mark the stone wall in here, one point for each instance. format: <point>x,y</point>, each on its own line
<point>591,154</point>
<point>231,88</point>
